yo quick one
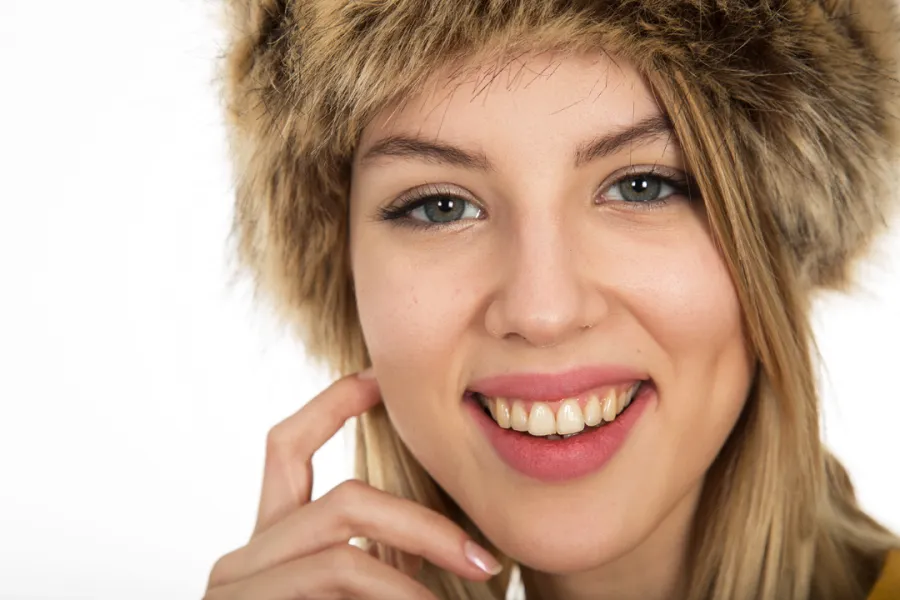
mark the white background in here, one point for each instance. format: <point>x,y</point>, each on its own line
<point>137,383</point>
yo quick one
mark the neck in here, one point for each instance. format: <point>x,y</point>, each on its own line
<point>654,570</point>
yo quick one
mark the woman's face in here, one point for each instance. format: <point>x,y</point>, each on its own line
<point>551,260</point>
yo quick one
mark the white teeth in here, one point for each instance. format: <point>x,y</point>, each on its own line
<point>518,419</point>
<point>538,419</point>
<point>502,415</point>
<point>541,421</point>
<point>609,406</point>
<point>592,411</point>
<point>569,418</point>
<point>625,397</point>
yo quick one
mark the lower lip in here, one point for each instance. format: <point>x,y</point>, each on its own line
<point>565,459</point>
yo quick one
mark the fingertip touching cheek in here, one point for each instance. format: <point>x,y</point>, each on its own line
<point>536,282</point>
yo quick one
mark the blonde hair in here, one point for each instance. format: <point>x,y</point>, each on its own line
<point>786,113</point>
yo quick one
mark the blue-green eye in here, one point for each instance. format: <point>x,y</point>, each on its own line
<point>432,207</point>
<point>642,188</point>
<point>443,208</point>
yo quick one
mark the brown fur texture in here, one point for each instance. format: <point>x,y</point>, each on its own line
<point>809,90</point>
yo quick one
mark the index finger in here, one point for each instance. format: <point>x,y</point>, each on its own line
<point>290,445</point>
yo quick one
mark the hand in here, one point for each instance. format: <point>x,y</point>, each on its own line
<point>300,549</point>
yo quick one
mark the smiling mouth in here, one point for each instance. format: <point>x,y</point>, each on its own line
<point>560,419</point>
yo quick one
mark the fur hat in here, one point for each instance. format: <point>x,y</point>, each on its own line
<point>807,92</point>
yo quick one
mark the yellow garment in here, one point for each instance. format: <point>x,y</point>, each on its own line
<point>888,585</point>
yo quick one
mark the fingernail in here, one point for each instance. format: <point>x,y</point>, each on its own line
<point>481,558</point>
<point>366,374</point>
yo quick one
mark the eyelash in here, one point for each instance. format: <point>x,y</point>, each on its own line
<point>681,185</point>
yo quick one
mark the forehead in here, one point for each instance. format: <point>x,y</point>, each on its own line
<point>553,97</point>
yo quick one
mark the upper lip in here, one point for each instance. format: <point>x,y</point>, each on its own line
<point>545,387</point>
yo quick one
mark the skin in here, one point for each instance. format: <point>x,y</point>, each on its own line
<point>556,272</point>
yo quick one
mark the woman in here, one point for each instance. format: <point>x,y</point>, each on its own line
<point>577,243</point>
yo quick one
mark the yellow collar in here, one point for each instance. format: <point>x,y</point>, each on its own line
<point>888,585</point>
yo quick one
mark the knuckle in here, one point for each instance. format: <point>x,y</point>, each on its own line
<point>348,495</point>
<point>344,504</point>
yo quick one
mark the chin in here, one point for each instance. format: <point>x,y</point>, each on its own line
<point>579,541</point>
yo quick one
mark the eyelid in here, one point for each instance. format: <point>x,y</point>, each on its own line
<point>433,189</point>
<point>409,199</point>
<point>682,181</point>
<point>631,170</point>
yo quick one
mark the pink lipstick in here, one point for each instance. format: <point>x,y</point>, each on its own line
<point>557,459</point>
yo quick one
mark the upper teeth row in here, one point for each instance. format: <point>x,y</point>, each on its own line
<point>570,417</point>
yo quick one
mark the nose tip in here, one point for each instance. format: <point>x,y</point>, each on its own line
<point>544,307</point>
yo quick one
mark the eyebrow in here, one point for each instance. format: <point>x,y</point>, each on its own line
<point>410,147</point>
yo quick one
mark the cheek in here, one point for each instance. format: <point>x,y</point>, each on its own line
<point>684,299</point>
<point>416,319</point>
<point>687,302</point>
<point>409,312</point>
<point>666,274</point>
<point>685,317</point>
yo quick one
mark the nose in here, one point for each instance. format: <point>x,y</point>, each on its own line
<point>546,293</point>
